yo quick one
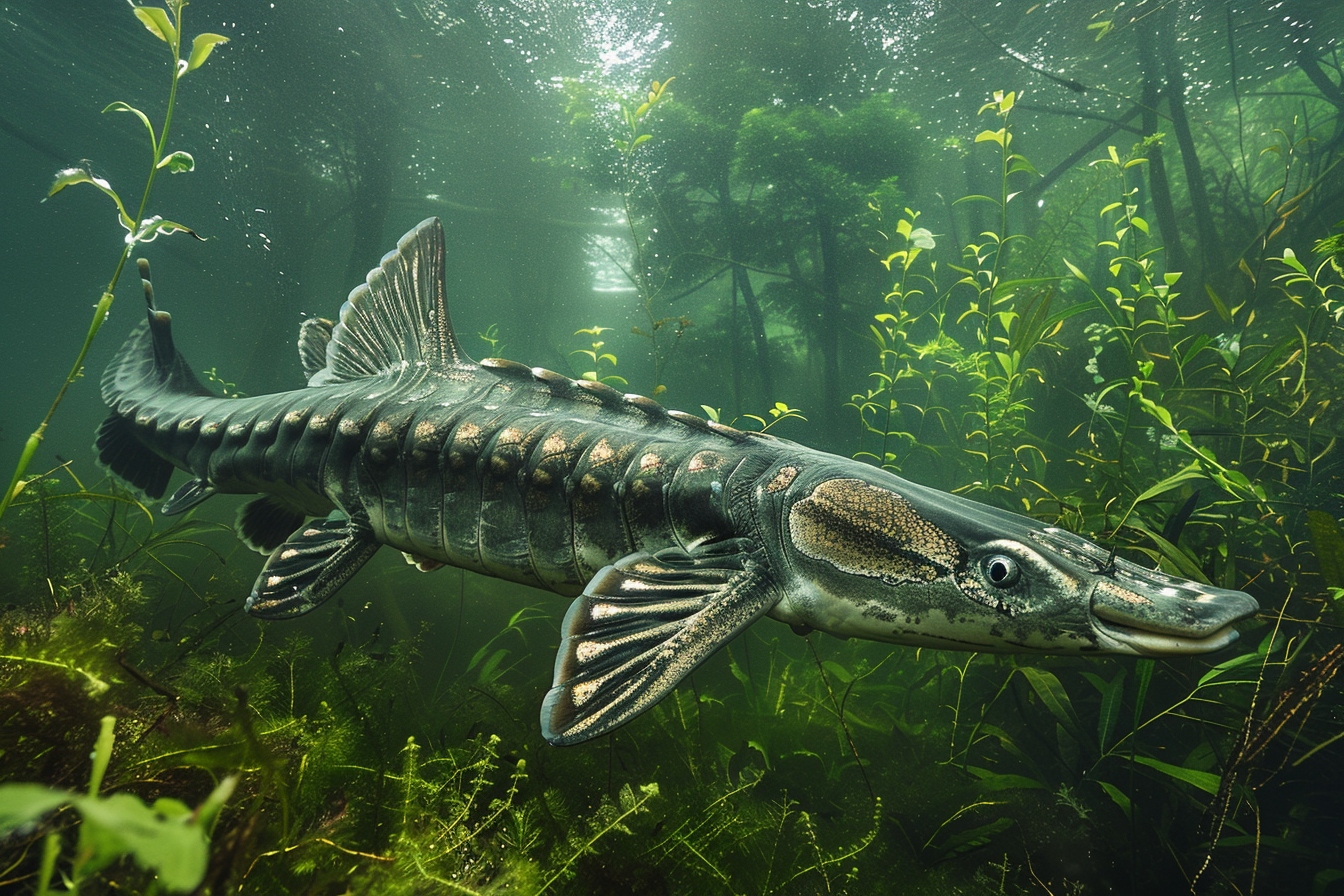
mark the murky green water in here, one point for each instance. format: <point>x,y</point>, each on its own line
<point>1077,262</point>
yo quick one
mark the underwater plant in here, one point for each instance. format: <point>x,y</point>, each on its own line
<point>168,839</point>
<point>165,24</point>
<point>599,359</point>
<point>1201,435</point>
<point>615,157</point>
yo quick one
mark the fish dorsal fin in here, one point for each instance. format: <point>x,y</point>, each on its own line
<point>398,316</point>
<point>314,337</point>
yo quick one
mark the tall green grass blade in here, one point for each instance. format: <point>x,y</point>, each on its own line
<point>1143,674</point>
<point>1112,697</point>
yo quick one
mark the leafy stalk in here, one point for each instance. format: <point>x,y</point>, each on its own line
<point>138,229</point>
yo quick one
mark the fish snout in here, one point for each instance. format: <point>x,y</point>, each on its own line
<point>1144,612</point>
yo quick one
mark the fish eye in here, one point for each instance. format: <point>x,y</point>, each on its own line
<point>1001,570</point>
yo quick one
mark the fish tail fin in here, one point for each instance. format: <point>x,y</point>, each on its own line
<point>147,366</point>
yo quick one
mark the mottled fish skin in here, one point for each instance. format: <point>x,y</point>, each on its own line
<point>501,469</point>
<point>674,532</point>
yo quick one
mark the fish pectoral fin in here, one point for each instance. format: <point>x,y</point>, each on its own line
<point>311,566</point>
<point>187,497</point>
<point>265,523</point>
<point>642,625</point>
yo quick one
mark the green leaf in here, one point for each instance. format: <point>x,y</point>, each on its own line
<point>1183,563</point>
<point>179,162</point>
<point>201,47</point>
<point>976,197</point>
<point>121,825</point>
<point>1228,665</point>
<point>1190,471</point>
<point>641,139</point>
<point>490,670</point>
<point>1323,879</point>
<point>760,748</point>
<point>1102,29</point>
<point>1290,259</point>
<point>1117,796</point>
<point>988,136</point>
<point>1328,542</point>
<point>1073,268</point>
<point>1205,781</point>
<point>1022,163</point>
<point>124,107</point>
<point>1143,674</point>
<point>838,671</point>
<point>738,672</point>
<point>23,804</point>
<point>150,228</point>
<point>971,839</point>
<point>1157,412</point>
<point>69,176</point>
<point>922,238</point>
<point>156,22</point>
<point>991,781</point>
<point>1218,304</point>
<point>1054,696</point>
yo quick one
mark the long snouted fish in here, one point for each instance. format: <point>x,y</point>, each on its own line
<point>672,533</point>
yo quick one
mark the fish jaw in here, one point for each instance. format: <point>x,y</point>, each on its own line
<point>1150,614</point>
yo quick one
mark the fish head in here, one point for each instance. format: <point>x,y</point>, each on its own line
<point>869,555</point>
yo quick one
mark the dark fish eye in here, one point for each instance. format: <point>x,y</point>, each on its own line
<point>1001,570</point>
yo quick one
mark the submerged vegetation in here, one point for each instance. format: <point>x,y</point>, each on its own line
<point>1152,361</point>
<point>165,23</point>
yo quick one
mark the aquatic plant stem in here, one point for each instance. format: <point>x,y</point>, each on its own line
<point>840,716</point>
<point>51,851</point>
<point>104,306</point>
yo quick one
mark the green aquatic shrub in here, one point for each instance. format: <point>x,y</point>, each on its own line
<point>1200,434</point>
<point>601,360</point>
<point>934,404</point>
<point>168,839</point>
<point>165,24</point>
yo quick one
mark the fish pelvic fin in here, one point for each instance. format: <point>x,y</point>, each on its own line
<point>397,318</point>
<point>266,522</point>
<point>642,625</point>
